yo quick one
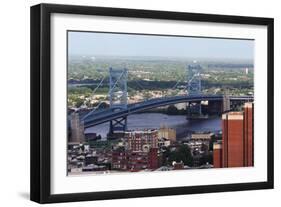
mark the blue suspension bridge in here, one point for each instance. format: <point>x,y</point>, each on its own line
<point>119,107</point>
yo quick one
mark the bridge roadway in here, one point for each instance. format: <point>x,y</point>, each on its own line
<point>105,115</point>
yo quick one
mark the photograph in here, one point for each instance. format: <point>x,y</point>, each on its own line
<point>157,102</point>
<point>129,103</point>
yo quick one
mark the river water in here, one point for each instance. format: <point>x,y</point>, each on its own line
<point>182,126</point>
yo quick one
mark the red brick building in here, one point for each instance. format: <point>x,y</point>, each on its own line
<point>237,139</point>
<point>142,140</point>
<point>119,160</point>
<point>178,165</point>
<point>153,158</point>
<point>217,155</point>
<point>248,134</point>
<point>135,160</point>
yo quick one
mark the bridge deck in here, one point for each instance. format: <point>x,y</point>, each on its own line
<point>105,115</point>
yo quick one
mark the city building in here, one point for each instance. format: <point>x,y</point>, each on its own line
<point>201,136</point>
<point>248,134</point>
<point>178,165</point>
<point>142,140</point>
<point>197,147</point>
<point>237,137</point>
<point>137,161</point>
<point>217,155</point>
<point>153,158</point>
<point>130,160</point>
<point>119,160</point>
<point>91,159</point>
<point>199,142</point>
<point>90,136</point>
<point>163,142</point>
<point>77,129</point>
<point>168,133</point>
<point>246,71</point>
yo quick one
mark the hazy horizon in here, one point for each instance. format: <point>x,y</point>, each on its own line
<point>94,44</point>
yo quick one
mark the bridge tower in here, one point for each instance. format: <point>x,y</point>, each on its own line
<point>193,79</point>
<point>193,88</point>
<point>118,95</point>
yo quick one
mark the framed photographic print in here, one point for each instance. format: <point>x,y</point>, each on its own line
<point>133,103</point>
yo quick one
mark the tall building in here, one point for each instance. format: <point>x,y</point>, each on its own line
<point>77,129</point>
<point>246,71</point>
<point>168,133</point>
<point>248,134</point>
<point>142,140</point>
<point>237,138</point>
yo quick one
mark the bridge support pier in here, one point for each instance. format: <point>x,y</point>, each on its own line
<point>194,109</point>
<point>225,103</point>
<point>214,108</point>
<point>118,125</point>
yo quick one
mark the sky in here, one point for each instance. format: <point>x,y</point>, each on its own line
<point>116,44</point>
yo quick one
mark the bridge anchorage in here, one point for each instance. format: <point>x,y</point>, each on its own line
<point>118,96</point>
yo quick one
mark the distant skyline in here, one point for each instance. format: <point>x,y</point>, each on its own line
<point>116,44</point>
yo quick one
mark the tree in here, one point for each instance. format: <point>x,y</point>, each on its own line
<point>204,148</point>
<point>214,139</point>
<point>172,110</point>
<point>207,158</point>
<point>79,102</point>
<point>183,154</point>
<point>165,155</point>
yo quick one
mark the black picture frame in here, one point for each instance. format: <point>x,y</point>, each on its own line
<point>41,95</point>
